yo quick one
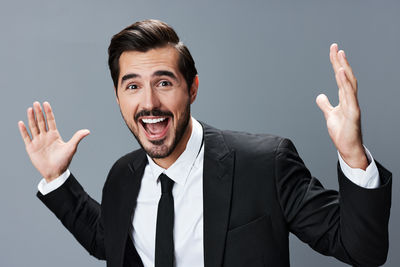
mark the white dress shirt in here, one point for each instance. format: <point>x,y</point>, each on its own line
<point>187,173</point>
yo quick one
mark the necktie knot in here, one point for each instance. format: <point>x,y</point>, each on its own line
<point>166,184</point>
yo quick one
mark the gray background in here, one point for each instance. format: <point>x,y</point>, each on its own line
<point>261,65</point>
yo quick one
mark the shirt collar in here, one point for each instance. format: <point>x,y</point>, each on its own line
<point>180,169</point>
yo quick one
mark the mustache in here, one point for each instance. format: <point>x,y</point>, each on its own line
<point>153,112</point>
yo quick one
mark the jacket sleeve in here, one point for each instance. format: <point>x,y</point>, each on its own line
<point>351,225</point>
<point>79,213</point>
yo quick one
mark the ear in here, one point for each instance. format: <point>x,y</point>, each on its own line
<point>193,89</point>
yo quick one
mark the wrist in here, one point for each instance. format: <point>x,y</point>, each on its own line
<point>355,158</point>
<point>51,177</point>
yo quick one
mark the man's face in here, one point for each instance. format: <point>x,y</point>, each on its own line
<point>154,99</point>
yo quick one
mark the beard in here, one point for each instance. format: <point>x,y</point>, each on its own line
<point>160,149</point>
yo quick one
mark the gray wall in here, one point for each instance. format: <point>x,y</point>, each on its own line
<point>261,65</point>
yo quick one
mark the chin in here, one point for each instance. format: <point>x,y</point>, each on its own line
<point>158,148</point>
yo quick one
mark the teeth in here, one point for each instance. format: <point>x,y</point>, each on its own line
<point>153,120</point>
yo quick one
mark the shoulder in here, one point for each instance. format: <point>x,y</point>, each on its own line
<point>129,159</point>
<point>245,140</point>
<point>241,141</point>
<point>258,147</point>
<point>124,166</point>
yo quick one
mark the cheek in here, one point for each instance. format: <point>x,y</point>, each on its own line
<point>126,103</point>
<point>128,109</point>
<point>177,104</point>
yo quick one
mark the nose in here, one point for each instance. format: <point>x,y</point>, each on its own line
<point>150,99</point>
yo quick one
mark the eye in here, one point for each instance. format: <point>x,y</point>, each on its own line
<point>165,83</point>
<point>132,86</point>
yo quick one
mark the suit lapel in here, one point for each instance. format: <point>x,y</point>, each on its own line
<point>129,176</point>
<point>217,190</point>
<point>135,174</point>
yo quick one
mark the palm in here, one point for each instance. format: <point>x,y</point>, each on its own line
<point>342,129</point>
<point>49,154</point>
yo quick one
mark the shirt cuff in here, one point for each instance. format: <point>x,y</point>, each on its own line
<point>45,187</point>
<point>368,178</point>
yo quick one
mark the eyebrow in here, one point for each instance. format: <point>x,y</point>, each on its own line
<point>155,74</point>
<point>129,76</point>
<point>165,73</point>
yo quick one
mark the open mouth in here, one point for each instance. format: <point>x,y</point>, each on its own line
<point>155,128</point>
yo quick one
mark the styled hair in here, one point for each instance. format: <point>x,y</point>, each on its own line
<point>146,35</point>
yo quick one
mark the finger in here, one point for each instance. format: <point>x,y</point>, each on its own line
<point>349,71</point>
<point>24,133</point>
<point>324,104</point>
<point>342,98</point>
<point>39,117</point>
<point>340,85</point>
<point>51,122</point>
<point>333,56</point>
<point>78,136</point>
<point>338,79</point>
<point>32,123</point>
<point>348,91</point>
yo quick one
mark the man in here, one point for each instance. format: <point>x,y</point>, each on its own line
<point>197,196</point>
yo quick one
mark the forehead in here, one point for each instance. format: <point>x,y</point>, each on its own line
<point>164,58</point>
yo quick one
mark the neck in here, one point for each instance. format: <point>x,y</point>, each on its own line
<point>166,162</point>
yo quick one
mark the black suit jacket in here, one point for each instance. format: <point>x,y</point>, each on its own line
<point>256,190</point>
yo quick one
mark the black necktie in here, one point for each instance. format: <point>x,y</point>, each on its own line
<point>164,255</point>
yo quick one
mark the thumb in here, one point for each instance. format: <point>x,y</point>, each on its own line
<point>78,136</point>
<point>324,104</point>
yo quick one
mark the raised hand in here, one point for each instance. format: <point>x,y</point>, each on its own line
<point>344,120</point>
<point>49,154</point>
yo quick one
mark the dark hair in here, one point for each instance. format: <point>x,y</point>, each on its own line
<point>143,36</point>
